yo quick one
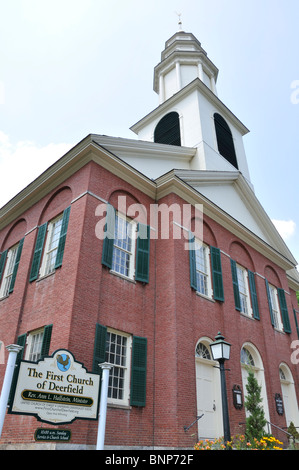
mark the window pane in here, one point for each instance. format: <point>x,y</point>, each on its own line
<point>246,357</point>
<point>123,246</point>
<point>202,351</point>
<point>242,289</point>
<point>116,349</point>
<point>121,262</point>
<point>54,234</point>
<point>36,346</point>
<point>11,258</point>
<point>275,309</point>
<point>201,269</point>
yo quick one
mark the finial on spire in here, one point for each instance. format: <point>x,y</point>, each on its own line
<point>180,21</point>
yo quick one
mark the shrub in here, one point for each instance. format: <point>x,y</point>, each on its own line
<point>239,442</point>
<point>256,422</point>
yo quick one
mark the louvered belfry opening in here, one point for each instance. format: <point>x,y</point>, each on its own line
<point>168,130</point>
<point>225,140</point>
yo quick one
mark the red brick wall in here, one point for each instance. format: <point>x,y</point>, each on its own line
<point>166,311</point>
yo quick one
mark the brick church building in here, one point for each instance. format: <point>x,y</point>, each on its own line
<point>151,297</point>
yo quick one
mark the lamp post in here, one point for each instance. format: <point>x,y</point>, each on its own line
<point>221,351</point>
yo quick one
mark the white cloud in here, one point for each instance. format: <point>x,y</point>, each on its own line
<point>286,228</point>
<point>24,161</point>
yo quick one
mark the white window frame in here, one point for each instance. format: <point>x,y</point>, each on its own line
<point>278,325</point>
<point>50,251</point>
<point>206,273</point>
<point>8,271</point>
<point>126,368</point>
<point>123,251</point>
<point>34,343</point>
<point>245,302</point>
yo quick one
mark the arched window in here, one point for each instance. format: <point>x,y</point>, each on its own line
<point>246,357</point>
<point>225,140</point>
<point>168,130</point>
<point>202,351</point>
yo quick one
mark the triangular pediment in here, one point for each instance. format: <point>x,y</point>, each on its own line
<point>232,194</point>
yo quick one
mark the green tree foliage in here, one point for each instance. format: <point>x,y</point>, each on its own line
<point>256,422</point>
<point>297,293</point>
<point>293,431</point>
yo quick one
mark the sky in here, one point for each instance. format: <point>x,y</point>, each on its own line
<point>69,68</point>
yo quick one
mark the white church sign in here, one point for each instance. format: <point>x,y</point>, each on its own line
<point>56,389</point>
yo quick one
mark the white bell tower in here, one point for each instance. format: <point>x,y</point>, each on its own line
<point>183,60</point>
<point>190,113</point>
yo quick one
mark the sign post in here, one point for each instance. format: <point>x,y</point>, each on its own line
<point>105,366</point>
<point>13,350</point>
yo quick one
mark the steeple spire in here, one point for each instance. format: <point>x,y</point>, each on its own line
<point>180,21</point>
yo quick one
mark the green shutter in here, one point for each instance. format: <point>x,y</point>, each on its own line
<point>99,353</point>
<point>142,253</point>
<point>296,322</point>
<point>138,377</point>
<point>41,234</point>
<point>253,295</point>
<point>62,238</point>
<point>107,254</point>
<point>16,266</point>
<point>192,262</point>
<point>21,341</point>
<point>2,262</point>
<point>217,274</point>
<point>235,285</point>
<point>46,341</point>
<point>269,302</point>
<point>284,311</point>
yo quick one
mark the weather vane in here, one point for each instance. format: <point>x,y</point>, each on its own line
<point>180,21</point>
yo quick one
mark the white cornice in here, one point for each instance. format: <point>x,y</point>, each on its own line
<point>144,149</point>
<point>208,177</point>
<point>293,279</point>
<point>198,85</point>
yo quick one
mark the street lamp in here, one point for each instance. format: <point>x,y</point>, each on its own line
<point>221,351</point>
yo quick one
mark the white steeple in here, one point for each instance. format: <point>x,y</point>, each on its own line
<point>190,113</point>
<point>183,60</point>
